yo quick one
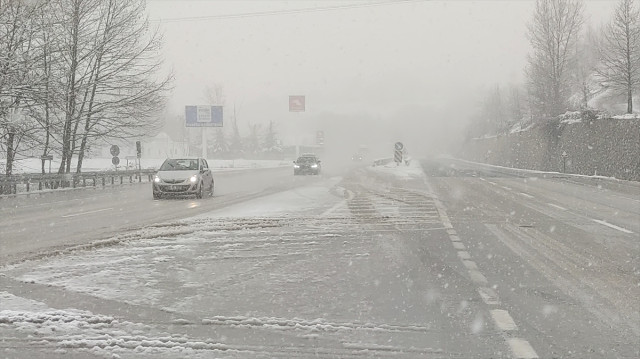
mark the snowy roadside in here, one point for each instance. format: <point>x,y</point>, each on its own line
<point>403,171</point>
<point>33,165</point>
<point>541,173</point>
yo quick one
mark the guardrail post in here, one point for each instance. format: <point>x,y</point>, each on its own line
<point>120,179</point>
<point>130,178</point>
<point>103,181</point>
<point>27,185</point>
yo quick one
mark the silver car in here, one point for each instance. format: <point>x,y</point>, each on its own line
<point>183,176</point>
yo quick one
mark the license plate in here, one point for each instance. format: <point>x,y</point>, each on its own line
<point>173,188</point>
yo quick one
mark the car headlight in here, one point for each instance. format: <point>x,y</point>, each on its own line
<point>156,179</point>
<point>314,166</point>
<point>193,178</point>
<point>296,166</point>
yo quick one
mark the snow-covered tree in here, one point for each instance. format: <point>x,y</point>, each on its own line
<point>619,69</point>
<point>553,33</point>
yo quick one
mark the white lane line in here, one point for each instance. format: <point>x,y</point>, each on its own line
<point>556,206</point>
<point>477,277</point>
<point>526,195</point>
<point>459,246</point>
<point>464,255</point>
<point>89,212</point>
<point>503,320</point>
<point>471,265</point>
<point>521,349</point>
<point>454,238</point>
<point>604,223</point>
<point>507,188</point>
<point>452,232</point>
<point>489,296</point>
<point>493,183</point>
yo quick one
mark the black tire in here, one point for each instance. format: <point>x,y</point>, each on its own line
<point>200,190</point>
<point>157,195</point>
<point>211,189</point>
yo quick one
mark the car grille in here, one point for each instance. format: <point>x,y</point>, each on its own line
<point>174,188</point>
<point>173,181</point>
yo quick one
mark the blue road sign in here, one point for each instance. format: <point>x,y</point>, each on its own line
<point>203,116</point>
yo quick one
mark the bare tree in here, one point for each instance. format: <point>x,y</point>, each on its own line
<point>124,98</point>
<point>553,33</point>
<point>620,52</point>
<point>17,78</point>
<point>586,61</point>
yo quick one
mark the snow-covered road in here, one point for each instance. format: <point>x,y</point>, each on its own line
<point>381,262</point>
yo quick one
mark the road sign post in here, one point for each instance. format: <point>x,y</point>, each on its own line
<point>203,116</point>
<point>398,153</point>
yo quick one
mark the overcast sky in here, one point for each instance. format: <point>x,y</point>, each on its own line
<point>374,57</point>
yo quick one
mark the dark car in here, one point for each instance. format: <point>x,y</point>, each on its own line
<point>307,164</point>
<point>183,176</point>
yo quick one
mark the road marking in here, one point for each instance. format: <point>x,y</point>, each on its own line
<point>89,212</point>
<point>493,183</point>
<point>454,238</point>
<point>458,245</point>
<point>556,206</point>
<point>477,277</point>
<point>526,195</point>
<point>521,349</point>
<point>507,188</point>
<point>503,320</point>
<point>489,296</point>
<point>604,223</point>
<point>464,255</point>
<point>452,232</point>
<point>471,265</point>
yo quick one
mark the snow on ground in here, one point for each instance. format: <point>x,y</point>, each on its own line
<point>269,266</point>
<point>32,165</point>
<point>628,116</point>
<point>298,201</point>
<point>67,331</point>
<point>404,171</point>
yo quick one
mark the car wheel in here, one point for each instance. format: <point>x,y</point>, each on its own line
<point>211,189</point>
<point>199,193</point>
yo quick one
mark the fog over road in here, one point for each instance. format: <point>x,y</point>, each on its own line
<point>440,259</point>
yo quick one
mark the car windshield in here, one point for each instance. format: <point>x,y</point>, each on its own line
<point>306,159</point>
<point>450,179</point>
<point>179,165</point>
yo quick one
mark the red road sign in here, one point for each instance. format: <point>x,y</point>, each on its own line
<point>296,103</point>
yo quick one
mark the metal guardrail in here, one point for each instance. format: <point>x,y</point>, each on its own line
<point>22,183</point>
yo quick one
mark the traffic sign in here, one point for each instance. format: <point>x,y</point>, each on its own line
<point>115,150</point>
<point>203,116</point>
<point>115,160</point>
<point>399,146</point>
<point>397,156</point>
<point>296,103</point>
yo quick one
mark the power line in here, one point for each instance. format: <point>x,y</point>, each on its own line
<point>285,12</point>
